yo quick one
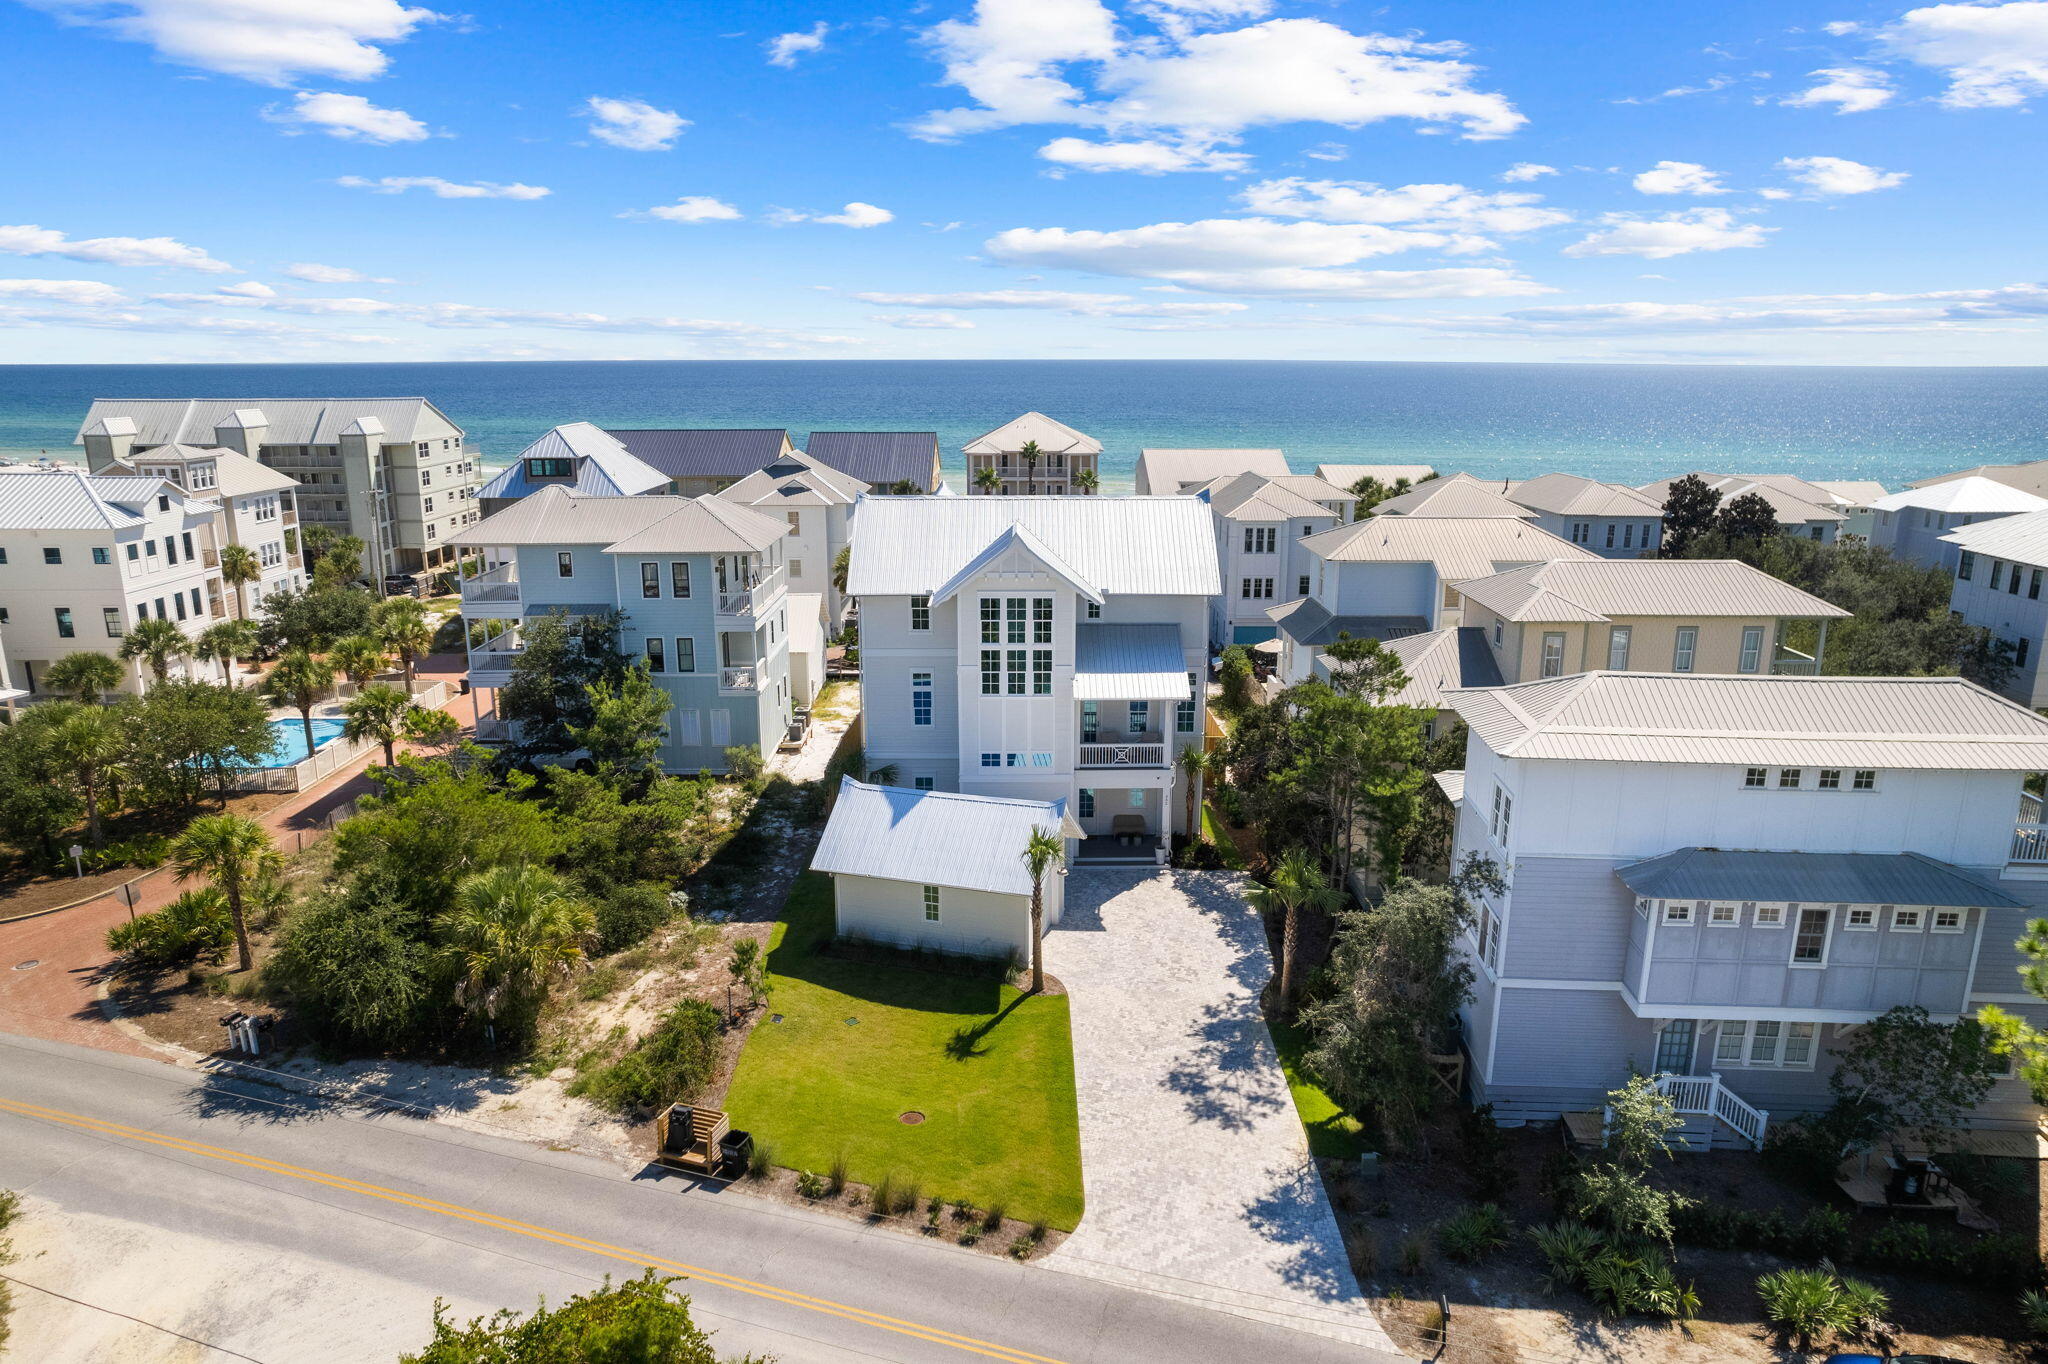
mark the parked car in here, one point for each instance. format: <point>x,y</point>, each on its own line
<point>401,585</point>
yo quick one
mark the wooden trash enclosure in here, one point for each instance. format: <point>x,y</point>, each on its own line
<point>687,1138</point>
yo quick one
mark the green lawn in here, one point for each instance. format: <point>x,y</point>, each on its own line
<point>1000,1124</point>
<point>1331,1131</point>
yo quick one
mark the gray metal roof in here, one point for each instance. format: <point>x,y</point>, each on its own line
<point>1164,473</point>
<point>602,466</point>
<point>1795,501</point>
<point>627,525</point>
<point>936,838</point>
<point>1930,723</point>
<point>1457,495</point>
<point>1307,621</point>
<point>235,474</point>
<point>1460,547</point>
<point>69,499</point>
<point>1810,878</point>
<point>2030,477</point>
<point>704,454</point>
<point>2022,539</point>
<point>1570,495</point>
<point>705,525</point>
<point>1129,662</point>
<point>1164,546</point>
<point>1440,661</point>
<point>1255,497</point>
<point>292,421</point>
<point>880,458</point>
<point>1601,589</point>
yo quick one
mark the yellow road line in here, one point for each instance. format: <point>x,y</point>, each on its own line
<point>788,1297</point>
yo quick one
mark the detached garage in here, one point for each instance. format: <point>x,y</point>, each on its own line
<point>938,869</point>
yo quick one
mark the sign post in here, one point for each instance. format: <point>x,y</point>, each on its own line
<point>77,860</point>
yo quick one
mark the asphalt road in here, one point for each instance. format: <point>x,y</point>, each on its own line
<point>285,1230</point>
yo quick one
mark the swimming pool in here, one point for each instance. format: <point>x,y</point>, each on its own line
<point>289,745</point>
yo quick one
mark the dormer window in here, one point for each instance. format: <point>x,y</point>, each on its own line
<point>548,468</point>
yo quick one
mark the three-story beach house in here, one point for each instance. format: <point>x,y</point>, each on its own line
<point>701,584</point>
<point>1914,523</point>
<point>576,456</point>
<point>255,507</point>
<point>1262,526</point>
<point>1034,456</point>
<point>1613,520</point>
<point>817,501</point>
<point>1041,648</point>
<point>1712,879</point>
<point>2000,568</point>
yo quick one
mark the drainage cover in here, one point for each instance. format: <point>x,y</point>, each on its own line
<point>851,1021</point>
<point>774,1018</point>
<point>31,964</point>
<point>910,1119</point>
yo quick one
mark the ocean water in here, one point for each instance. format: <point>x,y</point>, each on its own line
<point>1626,423</point>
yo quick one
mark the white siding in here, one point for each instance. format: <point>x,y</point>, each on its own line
<point>976,921</point>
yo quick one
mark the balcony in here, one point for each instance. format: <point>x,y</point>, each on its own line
<point>745,677</point>
<point>491,666</point>
<point>495,593</point>
<point>1107,750</point>
<point>747,603</point>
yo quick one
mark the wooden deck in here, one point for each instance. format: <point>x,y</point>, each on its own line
<point>1863,1179</point>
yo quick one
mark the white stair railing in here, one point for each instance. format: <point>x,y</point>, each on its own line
<point>1707,1096</point>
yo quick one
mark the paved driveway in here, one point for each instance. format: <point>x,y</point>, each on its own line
<point>1198,1176</point>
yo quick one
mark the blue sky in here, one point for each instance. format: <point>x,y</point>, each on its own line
<point>330,180</point>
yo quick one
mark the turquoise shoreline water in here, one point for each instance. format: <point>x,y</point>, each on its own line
<point>1628,423</point>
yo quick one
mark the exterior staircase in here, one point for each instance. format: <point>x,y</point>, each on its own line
<point>1714,1116</point>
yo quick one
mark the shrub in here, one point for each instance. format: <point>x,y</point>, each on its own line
<point>1863,1309</point>
<point>667,1065</point>
<point>760,1158</point>
<point>2034,1312</point>
<point>1568,1249</point>
<point>1413,1256</point>
<point>628,915</point>
<point>356,972</point>
<point>907,1196</point>
<point>744,762</point>
<point>809,1185</point>
<point>1821,1234</point>
<point>992,1220</point>
<point>835,1179</point>
<point>1803,1303</point>
<point>1474,1233</point>
<point>196,924</point>
<point>883,1195</point>
<point>1485,1149</point>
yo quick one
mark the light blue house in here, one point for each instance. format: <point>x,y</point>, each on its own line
<point>576,456</point>
<point>701,583</point>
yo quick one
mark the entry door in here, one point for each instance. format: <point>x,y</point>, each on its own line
<point>1674,1046</point>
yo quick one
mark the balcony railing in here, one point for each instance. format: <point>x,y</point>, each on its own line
<point>1792,663</point>
<point>498,587</point>
<point>746,677</point>
<point>2030,844</point>
<point>747,601</point>
<point>1110,751</point>
<point>1707,1096</point>
<point>491,665</point>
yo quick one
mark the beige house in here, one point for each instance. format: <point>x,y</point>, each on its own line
<point>1166,473</point>
<point>1064,456</point>
<point>1642,615</point>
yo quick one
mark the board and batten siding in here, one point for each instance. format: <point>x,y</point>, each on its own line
<point>976,921</point>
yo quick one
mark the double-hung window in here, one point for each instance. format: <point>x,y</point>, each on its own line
<point>1765,1044</point>
<point>65,629</point>
<point>1610,535</point>
<point>1184,711</point>
<point>1684,649</point>
<point>921,613</point>
<point>1259,539</point>
<point>1552,664</point>
<point>921,699</point>
<point>1503,814</point>
<point>679,578</point>
<point>991,672</point>
<point>565,564</point>
<point>1140,717</point>
<point>686,654</point>
<point>1085,803</point>
<point>111,617</point>
<point>931,904</point>
<point>1752,649</point>
<point>1618,638</point>
<point>650,580</point>
<point>1256,589</point>
<point>657,655</point>
<point>1966,564</point>
<point>1810,936</point>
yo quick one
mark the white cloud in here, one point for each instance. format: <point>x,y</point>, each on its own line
<point>1443,208</point>
<point>271,42</point>
<point>855,214</point>
<point>1851,89</point>
<point>1832,175</point>
<point>314,273</point>
<point>249,288</point>
<point>318,307</point>
<point>1144,157</point>
<point>924,321</point>
<point>1016,60</point>
<point>1994,56</point>
<point>1712,84</point>
<point>1679,177</point>
<point>691,208</point>
<point>1674,234</point>
<point>83,292</point>
<point>1255,256</point>
<point>633,124</point>
<point>1523,171</point>
<point>1327,151</point>
<point>444,189</point>
<point>785,48</point>
<point>1949,310</point>
<point>29,240</point>
<point>1056,300</point>
<point>350,117</point>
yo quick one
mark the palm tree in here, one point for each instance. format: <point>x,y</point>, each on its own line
<point>238,568</point>
<point>401,622</point>
<point>298,681</point>
<point>987,479</point>
<point>90,744</point>
<point>1197,766</point>
<point>223,642</point>
<point>1042,851</point>
<point>378,713</point>
<point>362,657</point>
<point>1030,454</point>
<point>509,932</point>
<point>1087,480</point>
<point>157,642</point>
<point>842,567</point>
<point>1297,883</point>
<point>84,676</point>
<point>236,854</point>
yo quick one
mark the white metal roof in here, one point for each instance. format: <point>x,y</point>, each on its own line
<point>1052,437</point>
<point>1570,495</point>
<point>235,474</point>
<point>705,525</point>
<point>2031,476</point>
<point>1452,784</point>
<point>1938,723</point>
<point>1161,546</point>
<point>1795,501</point>
<point>795,480</point>
<point>1162,473</point>
<point>292,421</point>
<point>1436,662</point>
<point>807,625</point>
<point>1255,497</point>
<point>1460,547</point>
<point>1344,475</point>
<point>1851,492</point>
<point>2022,538</point>
<point>1972,496</point>
<point>1129,663</point>
<point>626,525</point>
<point>1601,589</point>
<point>936,838</point>
<point>1457,495</point>
<point>70,499</point>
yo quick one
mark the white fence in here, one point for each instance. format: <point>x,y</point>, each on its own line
<point>330,758</point>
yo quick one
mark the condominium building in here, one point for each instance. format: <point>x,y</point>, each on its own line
<point>1064,463</point>
<point>1914,523</point>
<point>2000,566</point>
<point>1713,879</point>
<point>394,472</point>
<point>1039,648</point>
<point>1612,519</point>
<point>817,501</point>
<point>702,584</point>
<point>254,507</point>
<point>1262,525</point>
<point>83,557</point>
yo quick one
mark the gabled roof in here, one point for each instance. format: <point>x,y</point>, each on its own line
<point>1051,436</point>
<point>1129,663</point>
<point>1459,547</point>
<point>910,546</point>
<point>936,838</point>
<point>1810,878</point>
<point>1345,475</point>
<point>602,466</point>
<point>1017,538</point>
<point>2022,539</point>
<point>1971,496</point>
<point>1255,497</point>
<point>69,499</point>
<point>1602,589</point>
<point>879,458</point>
<point>1570,495</point>
<point>1851,492</point>
<point>234,474</point>
<point>291,421</point>
<point>704,454</point>
<point>623,525</point>
<point>1166,472</point>
<point>1308,622</point>
<point>1796,501</point>
<point>1437,662</point>
<point>1458,495</point>
<point>1933,723</point>
<point>2031,476</point>
<point>795,480</point>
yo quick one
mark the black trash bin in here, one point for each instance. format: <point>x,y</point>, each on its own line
<point>735,1149</point>
<point>681,1128</point>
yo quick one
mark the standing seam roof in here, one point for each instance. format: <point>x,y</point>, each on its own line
<point>940,838</point>
<point>1163,546</point>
